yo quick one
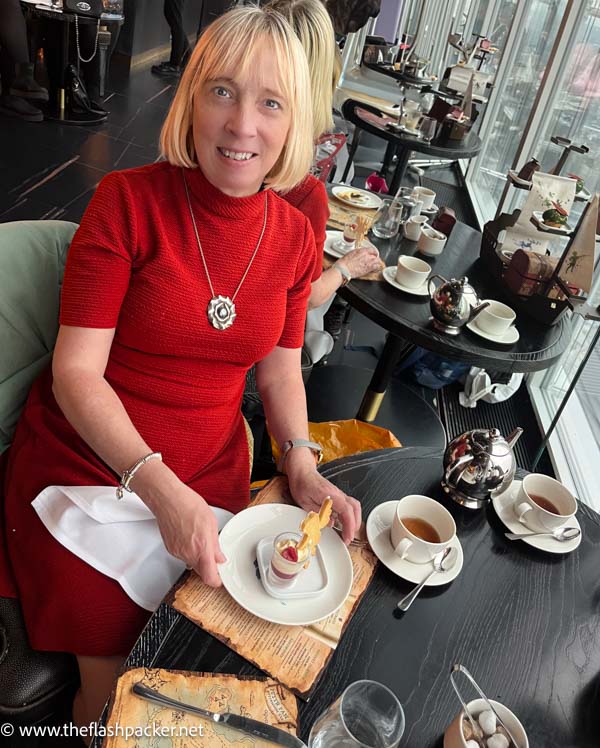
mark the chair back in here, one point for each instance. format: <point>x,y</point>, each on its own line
<point>32,260</point>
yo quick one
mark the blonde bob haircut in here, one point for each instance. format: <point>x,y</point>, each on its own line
<point>312,24</point>
<point>230,46</point>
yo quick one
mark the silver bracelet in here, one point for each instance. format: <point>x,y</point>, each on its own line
<point>130,472</point>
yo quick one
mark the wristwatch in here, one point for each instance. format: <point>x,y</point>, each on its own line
<point>344,272</point>
<point>291,443</point>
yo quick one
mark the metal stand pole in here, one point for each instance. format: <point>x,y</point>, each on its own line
<point>565,399</point>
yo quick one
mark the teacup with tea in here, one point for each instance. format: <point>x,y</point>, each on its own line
<point>544,504</point>
<point>421,528</point>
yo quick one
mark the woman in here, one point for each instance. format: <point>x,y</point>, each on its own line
<point>169,297</point>
<point>312,24</point>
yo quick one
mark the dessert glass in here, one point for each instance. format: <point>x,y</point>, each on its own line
<point>283,569</point>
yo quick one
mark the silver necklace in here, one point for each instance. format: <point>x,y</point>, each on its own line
<point>221,309</point>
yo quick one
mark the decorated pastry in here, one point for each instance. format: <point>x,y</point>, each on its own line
<point>556,216</point>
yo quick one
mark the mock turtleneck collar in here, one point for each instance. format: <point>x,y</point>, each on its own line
<point>209,197</point>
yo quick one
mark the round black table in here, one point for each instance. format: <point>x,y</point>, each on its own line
<point>400,144</point>
<point>408,318</point>
<point>525,623</point>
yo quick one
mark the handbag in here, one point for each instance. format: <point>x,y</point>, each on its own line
<point>89,8</point>
<point>77,94</point>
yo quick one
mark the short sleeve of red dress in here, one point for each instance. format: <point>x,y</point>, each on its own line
<point>297,296</point>
<point>101,257</point>
<point>310,198</point>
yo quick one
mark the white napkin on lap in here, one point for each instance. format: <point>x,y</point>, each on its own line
<point>118,538</point>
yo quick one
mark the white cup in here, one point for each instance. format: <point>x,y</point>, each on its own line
<point>412,272</point>
<point>411,547</point>
<point>426,195</point>
<point>534,489</point>
<point>412,227</point>
<point>496,318</point>
<point>431,242</point>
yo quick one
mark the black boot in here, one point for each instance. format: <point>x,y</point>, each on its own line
<point>166,70</point>
<point>14,106</point>
<point>25,85</point>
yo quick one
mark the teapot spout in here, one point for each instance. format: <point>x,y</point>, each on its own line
<point>477,309</point>
<point>514,437</point>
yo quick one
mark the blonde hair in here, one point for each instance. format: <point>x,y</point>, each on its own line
<point>312,24</point>
<point>232,42</point>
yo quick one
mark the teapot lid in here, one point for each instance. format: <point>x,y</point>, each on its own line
<point>488,440</point>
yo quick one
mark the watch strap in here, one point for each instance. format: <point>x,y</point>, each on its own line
<point>291,443</point>
<point>344,272</point>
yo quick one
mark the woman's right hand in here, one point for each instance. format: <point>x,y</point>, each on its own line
<point>361,261</point>
<point>190,532</point>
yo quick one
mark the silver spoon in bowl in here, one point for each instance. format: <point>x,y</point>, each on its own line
<point>562,534</point>
<point>442,562</point>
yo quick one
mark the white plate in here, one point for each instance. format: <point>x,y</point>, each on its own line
<point>378,533</point>
<point>333,236</point>
<point>504,506</point>
<point>539,222</point>
<point>510,336</point>
<point>367,199</point>
<point>389,275</point>
<point>239,539</point>
<point>309,583</point>
<point>434,209</point>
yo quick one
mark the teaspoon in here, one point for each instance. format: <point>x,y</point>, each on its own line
<point>562,534</point>
<point>442,562</point>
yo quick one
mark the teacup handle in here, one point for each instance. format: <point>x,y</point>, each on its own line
<point>522,510</point>
<point>402,548</point>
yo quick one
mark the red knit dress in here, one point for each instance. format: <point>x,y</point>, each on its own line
<point>134,265</point>
<point>310,198</point>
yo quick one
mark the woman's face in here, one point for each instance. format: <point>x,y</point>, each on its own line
<point>240,126</point>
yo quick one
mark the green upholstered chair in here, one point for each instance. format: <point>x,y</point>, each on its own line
<point>34,685</point>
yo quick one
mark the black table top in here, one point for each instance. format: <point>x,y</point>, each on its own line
<point>523,622</point>
<point>408,317</point>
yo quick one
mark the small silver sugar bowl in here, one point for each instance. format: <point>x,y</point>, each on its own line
<point>479,465</point>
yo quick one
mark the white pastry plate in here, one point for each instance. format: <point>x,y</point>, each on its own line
<point>389,275</point>
<point>332,237</point>
<point>510,336</point>
<point>583,195</point>
<point>240,577</point>
<point>504,505</point>
<point>538,221</point>
<point>309,583</point>
<point>360,199</point>
<point>378,533</point>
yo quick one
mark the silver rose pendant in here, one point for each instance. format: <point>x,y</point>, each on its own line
<point>221,312</point>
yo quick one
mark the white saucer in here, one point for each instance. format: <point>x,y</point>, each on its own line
<point>504,506</point>
<point>510,336</point>
<point>333,236</point>
<point>239,539</point>
<point>378,533</point>
<point>434,209</point>
<point>366,199</point>
<point>389,275</point>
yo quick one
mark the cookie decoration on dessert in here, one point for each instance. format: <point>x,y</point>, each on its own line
<point>313,524</point>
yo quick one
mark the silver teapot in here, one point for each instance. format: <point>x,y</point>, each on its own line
<point>479,465</point>
<point>451,304</point>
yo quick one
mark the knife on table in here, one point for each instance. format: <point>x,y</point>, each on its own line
<point>236,721</point>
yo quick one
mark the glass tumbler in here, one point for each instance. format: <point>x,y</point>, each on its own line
<point>366,715</point>
<point>388,219</point>
<point>428,128</point>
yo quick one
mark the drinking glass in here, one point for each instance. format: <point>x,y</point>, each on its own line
<point>428,127</point>
<point>346,242</point>
<point>388,219</point>
<point>366,715</point>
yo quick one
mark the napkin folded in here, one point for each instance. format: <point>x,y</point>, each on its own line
<point>118,538</point>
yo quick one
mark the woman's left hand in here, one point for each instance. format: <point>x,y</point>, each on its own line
<point>309,490</point>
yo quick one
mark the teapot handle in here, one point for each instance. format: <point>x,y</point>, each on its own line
<point>462,462</point>
<point>431,277</point>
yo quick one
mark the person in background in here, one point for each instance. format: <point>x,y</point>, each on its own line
<point>351,15</point>
<point>180,46</point>
<point>16,71</point>
<point>312,24</point>
<point>182,275</point>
